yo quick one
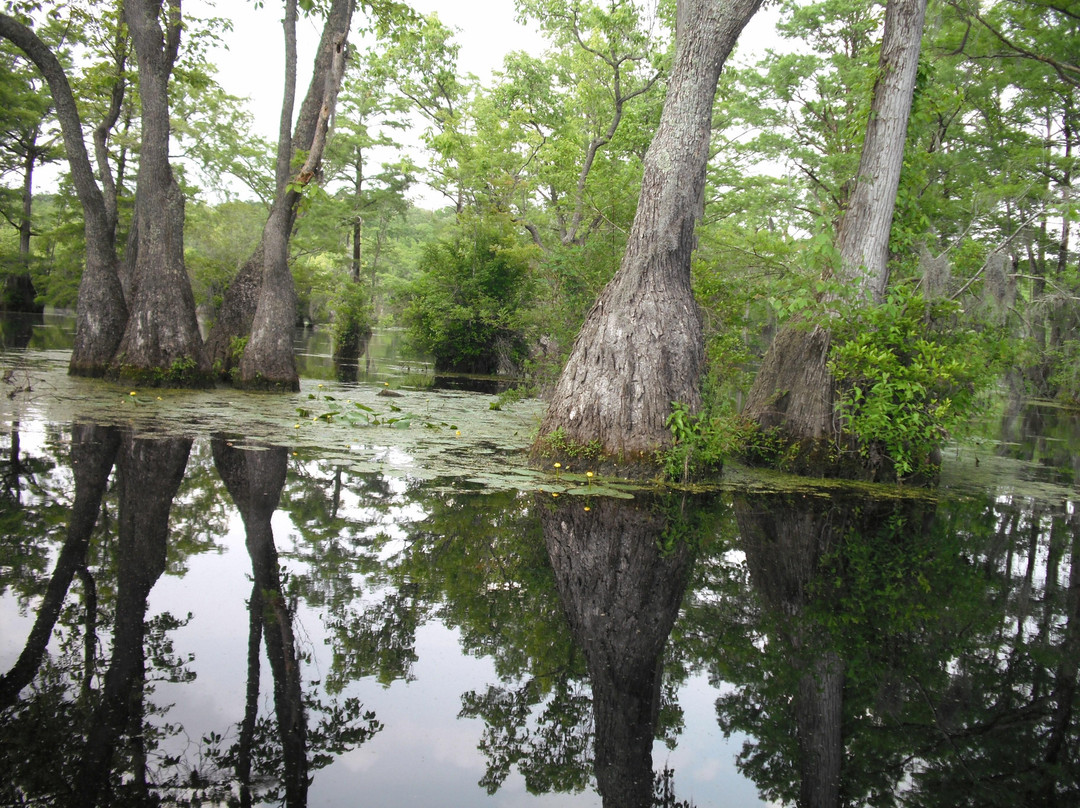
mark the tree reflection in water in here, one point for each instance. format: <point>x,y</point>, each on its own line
<point>71,737</point>
<point>903,652</point>
<point>621,590</point>
<point>918,651</point>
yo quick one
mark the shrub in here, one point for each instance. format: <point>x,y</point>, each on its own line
<point>467,306</point>
<point>908,374</point>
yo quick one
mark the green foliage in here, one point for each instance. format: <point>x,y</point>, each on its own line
<point>556,444</point>
<point>352,318</point>
<point>700,444</point>
<point>218,239</point>
<point>467,304</point>
<point>909,375</point>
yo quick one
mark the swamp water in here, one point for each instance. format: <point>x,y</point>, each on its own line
<point>343,597</point>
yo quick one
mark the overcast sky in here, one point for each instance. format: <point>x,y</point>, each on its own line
<point>253,65</point>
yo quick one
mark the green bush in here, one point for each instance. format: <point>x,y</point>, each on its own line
<point>468,304</point>
<point>352,319</point>
<point>909,373</point>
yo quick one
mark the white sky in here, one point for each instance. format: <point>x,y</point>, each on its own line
<point>251,60</point>
<point>253,65</point>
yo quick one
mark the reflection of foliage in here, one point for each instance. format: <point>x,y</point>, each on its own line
<point>379,641</point>
<point>476,561</point>
<point>34,505</point>
<point>340,727</point>
<point>958,664</point>
<point>552,750</point>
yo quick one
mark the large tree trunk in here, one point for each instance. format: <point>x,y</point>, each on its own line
<point>101,313</point>
<point>641,346</point>
<point>242,298</point>
<point>794,390</point>
<point>161,343</point>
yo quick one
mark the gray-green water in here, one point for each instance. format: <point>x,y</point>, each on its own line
<point>405,614</point>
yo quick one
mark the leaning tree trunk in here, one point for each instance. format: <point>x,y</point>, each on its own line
<point>641,346</point>
<point>794,390</point>
<point>242,296</point>
<point>161,343</point>
<point>268,359</point>
<point>101,313</point>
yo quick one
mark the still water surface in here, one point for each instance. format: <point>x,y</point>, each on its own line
<point>345,597</point>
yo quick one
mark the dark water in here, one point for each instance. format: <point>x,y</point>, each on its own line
<point>205,616</point>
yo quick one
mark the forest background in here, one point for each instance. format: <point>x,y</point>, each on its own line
<point>485,215</point>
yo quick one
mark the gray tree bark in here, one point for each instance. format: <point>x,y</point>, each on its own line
<point>641,346</point>
<point>162,329</point>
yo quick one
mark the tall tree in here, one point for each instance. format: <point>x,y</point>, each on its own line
<point>794,388</point>
<point>268,358</point>
<point>162,330</point>
<point>245,293</point>
<point>101,314</point>
<point>641,346</point>
<point>25,143</point>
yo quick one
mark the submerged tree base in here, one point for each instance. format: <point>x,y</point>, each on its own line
<point>183,373</point>
<point>672,465</point>
<point>260,382</point>
<point>831,456</point>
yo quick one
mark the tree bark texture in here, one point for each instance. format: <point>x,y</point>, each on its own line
<point>242,297</point>
<point>162,328</point>
<point>101,313</point>
<point>641,347</point>
<point>794,391</point>
<point>862,238</point>
<point>621,596</point>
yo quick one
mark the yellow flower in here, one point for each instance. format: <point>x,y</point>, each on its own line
<point>588,508</point>
<point>554,493</point>
<point>297,426</point>
<point>558,465</point>
<point>132,393</point>
<point>589,474</point>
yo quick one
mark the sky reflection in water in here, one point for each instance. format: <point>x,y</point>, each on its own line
<point>502,636</point>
